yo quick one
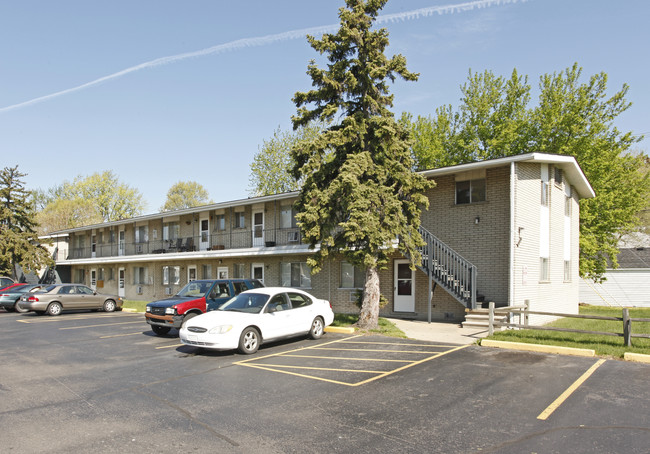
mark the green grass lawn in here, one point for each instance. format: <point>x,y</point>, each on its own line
<point>137,306</point>
<point>613,346</point>
<point>386,328</point>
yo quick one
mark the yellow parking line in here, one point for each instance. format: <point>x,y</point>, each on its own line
<point>287,366</point>
<point>170,346</point>
<point>102,324</point>
<point>352,359</point>
<point>565,395</point>
<point>120,335</point>
<point>400,343</point>
<point>298,375</point>
<point>373,350</point>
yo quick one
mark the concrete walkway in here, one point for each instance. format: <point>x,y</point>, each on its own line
<point>451,333</point>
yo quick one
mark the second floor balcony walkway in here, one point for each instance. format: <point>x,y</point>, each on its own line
<point>216,241</point>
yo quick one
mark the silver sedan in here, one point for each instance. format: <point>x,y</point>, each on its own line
<point>53,299</point>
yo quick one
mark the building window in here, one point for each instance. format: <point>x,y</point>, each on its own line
<point>139,275</point>
<point>238,271</point>
<point>141,234</point>
<point>171,275</point>
<point>352,276</point>
<point>567,271</point>
<point>240,221</point>
<point>171,231</point>
<point>100,274</point>
<point>287,217</point>
<point>567,206</point>
<point>470,191</point>
<point>558,176</point>
<point>545,193</point>
<point>296,274</point>
<point>544,271</point>
<point>111,274</point>
<point>206,272</point>
<point>80,276</point>
<point>220,222</point>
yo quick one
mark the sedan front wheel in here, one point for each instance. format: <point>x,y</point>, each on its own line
<point>249,341</point>
<point>109,306</point>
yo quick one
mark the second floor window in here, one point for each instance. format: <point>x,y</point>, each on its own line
<point>141,234</point>
<point>171,231</point>
<point>240,221</point>
<point>287,217</point>
<point>470,191</point>
<point>220,222</point>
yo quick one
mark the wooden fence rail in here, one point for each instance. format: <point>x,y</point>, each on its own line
<point>524,311</point>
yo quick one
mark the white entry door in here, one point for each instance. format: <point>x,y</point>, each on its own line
<point>93,279</point>
<point>204,243</point>
<point>191,273</point>
<point>404,287</point>
<point>257,272</point>
<point>121,277</point>
<point>121,243</point>
<point>258,228</point>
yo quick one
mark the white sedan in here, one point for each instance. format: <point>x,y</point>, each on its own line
<point>256,316</point>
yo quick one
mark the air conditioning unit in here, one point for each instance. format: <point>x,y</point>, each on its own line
<point>138,290</point>
<point>293,237</point>
<point>168,290</point>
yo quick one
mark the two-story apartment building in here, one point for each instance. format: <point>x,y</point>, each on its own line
<point>504,230</point>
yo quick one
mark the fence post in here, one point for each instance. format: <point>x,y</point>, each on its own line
<point>491,318</point>
<point>627,328</point>
<point>526,309</point>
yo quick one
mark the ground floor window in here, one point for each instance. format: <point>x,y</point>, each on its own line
<point>171,275</point>
<point>296,274</point>
<point>80,276</point>
<point>139,275</point>
<point>544,272</point>
<point>567,271</point>
<point>351,276</point>
<point>238,271</point>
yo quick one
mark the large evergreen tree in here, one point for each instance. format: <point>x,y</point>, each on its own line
<point>572,117</point>
<point>19,243</point>
<point>360,193</point>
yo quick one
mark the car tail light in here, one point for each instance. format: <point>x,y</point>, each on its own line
<point>32,299</point>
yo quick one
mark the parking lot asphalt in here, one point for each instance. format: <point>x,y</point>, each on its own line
<point>102,382</point>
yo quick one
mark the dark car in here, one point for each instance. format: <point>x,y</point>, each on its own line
<point>5,281</point>
<point>10,298</point>
<point>197,297</point>
<point>59,297</point>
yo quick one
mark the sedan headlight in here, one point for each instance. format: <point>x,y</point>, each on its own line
<point>221,329</point>
<point>170,311</point>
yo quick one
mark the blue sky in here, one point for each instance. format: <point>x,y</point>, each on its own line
<point>203,117</point>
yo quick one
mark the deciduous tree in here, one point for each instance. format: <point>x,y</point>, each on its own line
<point>573,118</point>
<point>186,194</point>
<point>360,193</point>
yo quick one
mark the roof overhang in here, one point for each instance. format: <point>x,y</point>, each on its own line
<point>568,164</point>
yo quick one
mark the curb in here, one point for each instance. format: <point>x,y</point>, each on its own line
<point>539,348</point>
<point>339,329</point>
<point>128,309</point>
<point>636,357</point>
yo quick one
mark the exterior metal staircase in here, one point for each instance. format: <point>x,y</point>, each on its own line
<point>448,269</point>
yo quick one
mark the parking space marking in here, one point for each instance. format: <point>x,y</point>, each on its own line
<point>170,346</point>
<point>101,324</point>
<point>565,395</point>
<point>68,318</point>
<point>288,369</point>
<point>120,335</point>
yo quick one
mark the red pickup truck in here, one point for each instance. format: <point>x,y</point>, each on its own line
<point>195,298</point>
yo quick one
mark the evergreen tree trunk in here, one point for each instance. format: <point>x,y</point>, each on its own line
<point>369,316</point>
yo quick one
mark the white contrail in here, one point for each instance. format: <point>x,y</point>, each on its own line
<point>262,41</point>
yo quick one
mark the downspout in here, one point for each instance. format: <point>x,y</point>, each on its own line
<point>511,245</point>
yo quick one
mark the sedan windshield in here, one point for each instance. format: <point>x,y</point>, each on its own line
<point>246,302</point>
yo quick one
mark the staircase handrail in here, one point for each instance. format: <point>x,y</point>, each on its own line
<point>449,269</point>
